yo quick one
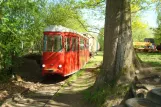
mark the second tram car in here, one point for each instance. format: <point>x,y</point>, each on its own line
<point>64,51</point>
<point>94,46</point>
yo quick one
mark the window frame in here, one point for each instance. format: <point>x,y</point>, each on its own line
<point>52,43</point>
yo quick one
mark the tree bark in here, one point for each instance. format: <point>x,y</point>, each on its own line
<point>119,58</point>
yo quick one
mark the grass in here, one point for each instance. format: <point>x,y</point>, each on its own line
<point>97,59</point>
<point>152,59</point>
<point>113,94</point>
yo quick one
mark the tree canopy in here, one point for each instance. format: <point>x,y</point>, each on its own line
<point>22,24</point>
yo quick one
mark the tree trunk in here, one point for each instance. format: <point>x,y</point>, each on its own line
<point>119,58</point>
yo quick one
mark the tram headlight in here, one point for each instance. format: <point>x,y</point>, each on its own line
<point>43,65</point>
<point>60,66</point>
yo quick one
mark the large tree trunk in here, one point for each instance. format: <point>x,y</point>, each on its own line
<point>119,58</point>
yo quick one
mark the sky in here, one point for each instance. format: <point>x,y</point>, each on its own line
<point>150,17</point>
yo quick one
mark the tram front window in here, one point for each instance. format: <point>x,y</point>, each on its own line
<point>52,43</point>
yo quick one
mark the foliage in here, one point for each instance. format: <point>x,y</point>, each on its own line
<point>65,13</point>
<point>158,10</point>
<point>91,3</point>
<point>157,33</point>
<point>101,39</point>
<point>22,24</point>
<point>158,30</point>
<point>140,30</point>
<point>92,10</point>
<point>140,5</point>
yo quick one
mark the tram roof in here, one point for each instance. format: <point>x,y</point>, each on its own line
<point>59,28</point>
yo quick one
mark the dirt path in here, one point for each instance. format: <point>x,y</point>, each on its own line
<point>42,95</point>
<point>71,95</point>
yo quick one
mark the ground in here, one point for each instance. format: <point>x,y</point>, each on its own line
<point>72,92</point>
<point>70,95</point>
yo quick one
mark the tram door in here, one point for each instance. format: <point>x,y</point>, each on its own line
<point>82,58</point>
<point>67,61</point>
<point>74,54</point>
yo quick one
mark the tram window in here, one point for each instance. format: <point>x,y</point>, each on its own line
<point>74,44</point>
<point>53,43</point>
<point>67,47</point>
<point>45,43</point>
<point>57,43</point>
<point>87,44</point>
<point>81,44</point>
<point>76,48</point>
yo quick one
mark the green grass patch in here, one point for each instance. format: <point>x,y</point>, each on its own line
<point>98,97</point>
<point>75,76</point>
<point>94,61</point>
<point>152,59</point>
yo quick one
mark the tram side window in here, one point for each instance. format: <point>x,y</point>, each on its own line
<point>87,44</point>
<point>76,44</point>
<point>48,43</point>
<point>67,46</point>
<point>74,48</point>
<point>57,43</point>
<point>45,43</point>
<point>81,44</point>
<point>52,43</point>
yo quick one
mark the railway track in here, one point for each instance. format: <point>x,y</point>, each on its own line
<point>38,96</point>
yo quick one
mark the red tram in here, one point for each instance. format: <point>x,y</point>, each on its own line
<point>64,51</point>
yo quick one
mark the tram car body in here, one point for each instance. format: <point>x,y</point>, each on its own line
<point>93,43</point>
<point>64,51</point>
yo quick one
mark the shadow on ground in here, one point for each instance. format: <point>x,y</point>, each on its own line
<point>53,79</point>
